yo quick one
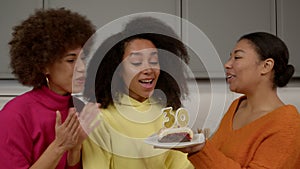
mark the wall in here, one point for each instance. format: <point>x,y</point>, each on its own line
<point>202,102</point>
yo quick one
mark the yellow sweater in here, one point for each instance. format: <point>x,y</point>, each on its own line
<point>118,142</point>
<point>270,142</point>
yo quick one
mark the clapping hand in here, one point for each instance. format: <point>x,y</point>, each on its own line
<point>67,133</point>
<point>89,119</point>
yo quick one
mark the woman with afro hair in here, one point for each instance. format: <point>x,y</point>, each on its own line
<point>133,75</point>
<point>40,129</point>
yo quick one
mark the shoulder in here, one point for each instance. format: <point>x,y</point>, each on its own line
<point>290,108</point>
<point>17,102</point>
<point>287,113</point>
<point>284,122</point>
<point>287,121</point>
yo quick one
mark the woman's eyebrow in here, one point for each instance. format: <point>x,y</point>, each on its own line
<point>239,50</point>
<point>135,53</point>
<point>71,54</point>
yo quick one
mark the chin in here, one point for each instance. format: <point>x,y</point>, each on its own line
<point>149,94</point>
<point>233,89</point>
<point>77,89</point>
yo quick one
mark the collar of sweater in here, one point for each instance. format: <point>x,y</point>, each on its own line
<point>51,99</point>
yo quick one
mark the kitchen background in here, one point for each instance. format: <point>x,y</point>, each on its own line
<point>222,22</point>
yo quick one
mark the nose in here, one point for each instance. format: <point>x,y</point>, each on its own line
<point>147,69</point>
<point>228,64</point>
<point>80,65</point>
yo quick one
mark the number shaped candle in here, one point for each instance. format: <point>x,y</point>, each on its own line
<point>171,119</point>
<point>182,117</point>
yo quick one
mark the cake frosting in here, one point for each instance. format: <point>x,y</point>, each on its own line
<point>179,134</point>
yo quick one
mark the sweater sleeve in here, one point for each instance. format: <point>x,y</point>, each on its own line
<point>211,158</point>
<point>15,141</point>
<point>94,156</point>
<point>96,150</point>
<point>178,160</point>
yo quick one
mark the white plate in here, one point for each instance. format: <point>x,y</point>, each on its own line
<point>197,139</point>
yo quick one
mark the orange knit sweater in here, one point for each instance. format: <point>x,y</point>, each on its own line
<point>272,141</point>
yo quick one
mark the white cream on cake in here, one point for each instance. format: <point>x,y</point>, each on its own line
<point>177,134</point>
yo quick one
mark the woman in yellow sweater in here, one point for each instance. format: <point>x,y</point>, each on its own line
<point>134,74</point>
<point>258,130</point>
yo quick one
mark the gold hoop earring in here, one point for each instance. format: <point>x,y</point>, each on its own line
<point>48,84</point>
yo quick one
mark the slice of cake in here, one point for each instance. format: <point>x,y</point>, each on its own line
<point>180,134</point>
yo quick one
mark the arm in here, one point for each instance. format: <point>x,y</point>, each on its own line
<point>18,150</point>
<point>210,157</point>
<point>178,160</point>
<point>96,150</point>
<point>87,124</point>
<point>278,150</point>
<point>50,158</point>
<point>17,146</point>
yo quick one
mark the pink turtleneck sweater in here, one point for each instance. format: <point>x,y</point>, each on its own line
<point>27,127</point>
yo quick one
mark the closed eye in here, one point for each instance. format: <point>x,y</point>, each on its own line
<point>71,60</point>
<point>153,63</point>
<point>136,64</point>
<point>71,57</point>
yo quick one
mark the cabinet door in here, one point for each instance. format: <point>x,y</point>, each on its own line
<point>12,12</point>
<point>106,11</point>
<point>289,29</point>
<point>223,22</point>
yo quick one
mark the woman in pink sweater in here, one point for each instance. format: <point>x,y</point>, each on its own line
<point>38,129</point>
<point>258,130</point>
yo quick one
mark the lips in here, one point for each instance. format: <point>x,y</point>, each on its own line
<point>229,76</point>
<point>80,80</point>
<point>147,83</point>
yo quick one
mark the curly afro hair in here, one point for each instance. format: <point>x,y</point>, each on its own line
<point>42,39</point>
<point>173,53</point>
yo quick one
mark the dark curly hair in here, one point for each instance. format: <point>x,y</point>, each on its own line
<point>171,51</point>
<point>270,46</point>
<point>42,39</point>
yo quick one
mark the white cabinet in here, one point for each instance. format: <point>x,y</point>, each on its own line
<point>12,12</point>
<point>100,12</point>
<point>223,22</point>
<point>105,11</point>
<point>288,15</point>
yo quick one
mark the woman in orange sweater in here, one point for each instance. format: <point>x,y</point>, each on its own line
<point>258,130</point>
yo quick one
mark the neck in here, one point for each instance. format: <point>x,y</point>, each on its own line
<point>263,99</point>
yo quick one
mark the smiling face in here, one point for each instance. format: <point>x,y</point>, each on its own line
<point>140,68</point>
<point>243,69</point>
<point>67,75</point>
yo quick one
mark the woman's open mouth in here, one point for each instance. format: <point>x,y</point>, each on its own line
<point>147,83</point>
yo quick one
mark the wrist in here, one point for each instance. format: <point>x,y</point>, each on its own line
<point>76,148</point>
<point>57,148</point>
<point>74,156</point>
